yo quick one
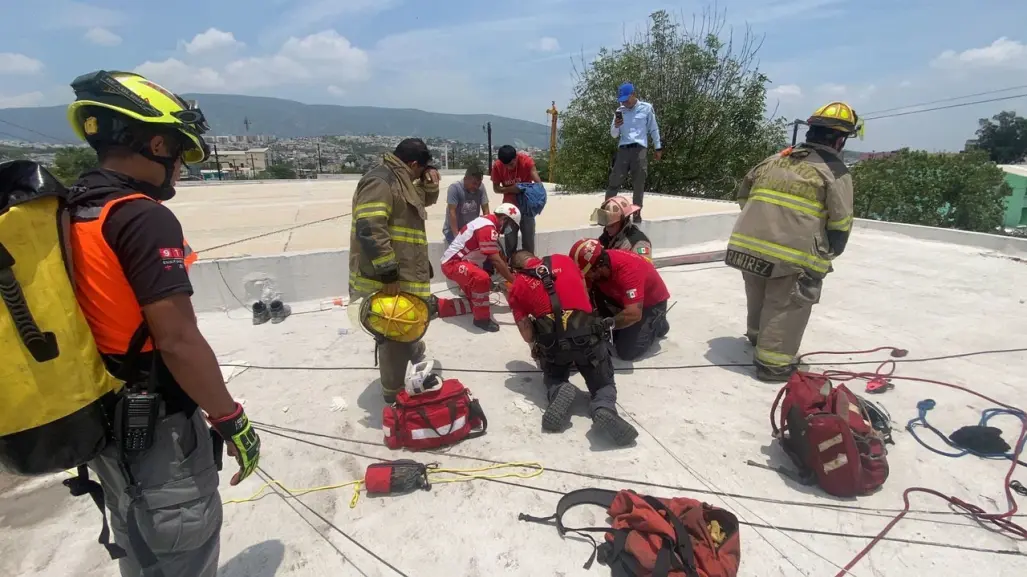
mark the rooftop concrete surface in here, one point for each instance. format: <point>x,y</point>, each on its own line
<point>213,215</point>
<point>698,427</point>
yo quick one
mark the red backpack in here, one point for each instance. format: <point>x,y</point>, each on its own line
<point>434,418</point>
<point>653,537</point>
<point>828,434</point>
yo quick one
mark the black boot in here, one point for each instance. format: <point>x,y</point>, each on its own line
<point>261,314</point>
<point>487,325</point>
<point>621,431</point>
<point>558,413</point>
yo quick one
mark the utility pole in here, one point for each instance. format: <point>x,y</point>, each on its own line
<point>320,165</point>
<point>552,141</point>
<point>488,133</point>
<point>217,162</point>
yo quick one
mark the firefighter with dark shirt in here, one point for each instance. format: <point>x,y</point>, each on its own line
<point>131,275</point>
<point>628,288</point>
<point>553,286</point>
<point>614,215</point>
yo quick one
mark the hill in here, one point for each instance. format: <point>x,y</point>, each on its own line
<point>291,119</point>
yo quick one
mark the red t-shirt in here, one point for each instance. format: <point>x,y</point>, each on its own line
<point>521,173</point>
<point>633,280</point>
<point>527,296</point>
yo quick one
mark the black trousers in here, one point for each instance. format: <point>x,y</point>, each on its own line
<point>632,342</point>
<point>594,364</point>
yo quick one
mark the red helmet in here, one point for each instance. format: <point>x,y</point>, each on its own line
<point>586,252</point>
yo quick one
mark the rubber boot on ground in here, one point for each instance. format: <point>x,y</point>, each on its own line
<point>558,413</point>
<point>487,325</point>
<point>261,314</point>
<point>279,311</point>
<point>622,432</point>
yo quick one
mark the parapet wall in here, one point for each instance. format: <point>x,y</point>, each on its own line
<point>229,283</point>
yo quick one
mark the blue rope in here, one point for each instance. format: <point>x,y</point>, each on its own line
<point>921,421</point>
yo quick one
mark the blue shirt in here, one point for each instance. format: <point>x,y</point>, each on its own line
<point>468,205</point>
<point>639,125</point>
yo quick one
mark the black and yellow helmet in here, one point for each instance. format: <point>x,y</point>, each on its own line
<point>838,116</point>
<point>106,102</point>
<point>403,317</point>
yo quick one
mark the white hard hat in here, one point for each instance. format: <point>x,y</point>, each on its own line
<point>509,210</point>
<point>420,378</point>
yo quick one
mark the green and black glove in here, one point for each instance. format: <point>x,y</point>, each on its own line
<point>243,442</point>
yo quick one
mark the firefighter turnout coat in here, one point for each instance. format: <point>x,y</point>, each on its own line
<point>792,204</point>
<point>387,240</point>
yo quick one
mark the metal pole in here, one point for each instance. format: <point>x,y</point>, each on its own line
<point>552,141</point>
<point>320,165</point>
<point>217,162</point>
<point>488,132</point>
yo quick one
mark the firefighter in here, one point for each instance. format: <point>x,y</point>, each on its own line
<point>628,288</point>
<point>477,242</point>
<point>796,217</point>
<point>389,248</point>
<point>553,287</point>
<point>619,232</point>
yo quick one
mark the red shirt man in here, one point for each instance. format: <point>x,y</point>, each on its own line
<point>632,280</point>
<point>503,176</point>
<point>527,296</point>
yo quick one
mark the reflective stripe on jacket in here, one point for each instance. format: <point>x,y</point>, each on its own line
<point>789,202</point>
<point>387,240</point>
<point>104,294</point>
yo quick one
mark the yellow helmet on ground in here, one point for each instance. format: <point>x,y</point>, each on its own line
<point>403,317</point>
<point>838,116</point>
<point>108,104</point>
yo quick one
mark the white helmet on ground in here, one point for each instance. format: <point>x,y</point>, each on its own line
<point>510,211</point>
<point>420,378</point>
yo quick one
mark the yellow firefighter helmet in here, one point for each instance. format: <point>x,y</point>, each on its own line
<point>839,116</point>
<point>403,317</point>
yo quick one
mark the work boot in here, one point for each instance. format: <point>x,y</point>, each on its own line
<point>662,327</point>
<point>621,431</point>
<point>637,217</point>
<point>261,314</point>
<point>753,338</point>
<point>433,307</point>
<point>279,311</point>
<point>487,325</point>
<point>558,413</point>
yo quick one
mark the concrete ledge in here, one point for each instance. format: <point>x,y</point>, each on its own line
<point>223,284</point>
<point>1005,244</point>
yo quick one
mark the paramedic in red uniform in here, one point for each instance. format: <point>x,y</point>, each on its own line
<point>628,288</point>
<point>510,169</point>
<point>464,258</point>
<point>555,283</point>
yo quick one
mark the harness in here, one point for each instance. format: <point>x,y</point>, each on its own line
<point>559,344</point>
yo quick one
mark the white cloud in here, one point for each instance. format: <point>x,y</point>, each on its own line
<point>102,37</point>
<point>19,100</point>
<point>545,44</point>
<point>303,15</point>
<point>336,91</point>
<point>212,40</point>
<point>67,14</point>
<point>325,56</point>
<point>786,92</point>
<point>832,90</point>
<point>13,63</point>
<point>1002,53</point>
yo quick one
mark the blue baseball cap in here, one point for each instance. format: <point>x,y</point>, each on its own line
<point>625,91</point>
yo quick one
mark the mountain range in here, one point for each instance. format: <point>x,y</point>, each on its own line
<point>227,115</point>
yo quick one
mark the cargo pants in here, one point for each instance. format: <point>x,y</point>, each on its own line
<point>393,357</point>
<point>631,158</point>
<point>177,514</point>
<point>632,342</point>
<point>595,366</point>
<point>778,312</point>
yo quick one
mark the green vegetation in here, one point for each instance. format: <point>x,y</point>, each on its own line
<point>70,162</point>
<point>1004,137</point>
<point>709,98</point>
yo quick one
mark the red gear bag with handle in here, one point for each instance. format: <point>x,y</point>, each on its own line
<point>435,418</point>
<point>828,434</point>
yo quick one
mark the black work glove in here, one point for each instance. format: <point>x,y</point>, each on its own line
<point>242,441</point>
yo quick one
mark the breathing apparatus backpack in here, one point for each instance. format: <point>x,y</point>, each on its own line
<point>52,380</point>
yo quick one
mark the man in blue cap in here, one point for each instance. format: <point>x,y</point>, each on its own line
<point>633,124</point>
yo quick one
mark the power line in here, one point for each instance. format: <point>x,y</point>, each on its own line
<point>948,106</point>
<point>36,132</point>
<point>951,99</point>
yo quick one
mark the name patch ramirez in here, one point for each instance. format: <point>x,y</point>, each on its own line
<point>749,263</point>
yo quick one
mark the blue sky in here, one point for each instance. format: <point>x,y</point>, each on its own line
<point>513,57</point>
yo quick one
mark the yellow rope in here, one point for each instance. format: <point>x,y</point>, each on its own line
<point>434,472</point>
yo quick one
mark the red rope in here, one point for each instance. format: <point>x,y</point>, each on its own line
<point>1001,520</point>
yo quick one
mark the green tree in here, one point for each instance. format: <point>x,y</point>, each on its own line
<point>69,163</point>
<point>1004,137</point>
<point>542,164</point>
<point>709,98</point>
<point>282,170</point>
<point>964,191</point>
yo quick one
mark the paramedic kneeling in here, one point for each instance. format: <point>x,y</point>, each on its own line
<point>549,288</point>
<point>159,477</point>
<point>628,288</point>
